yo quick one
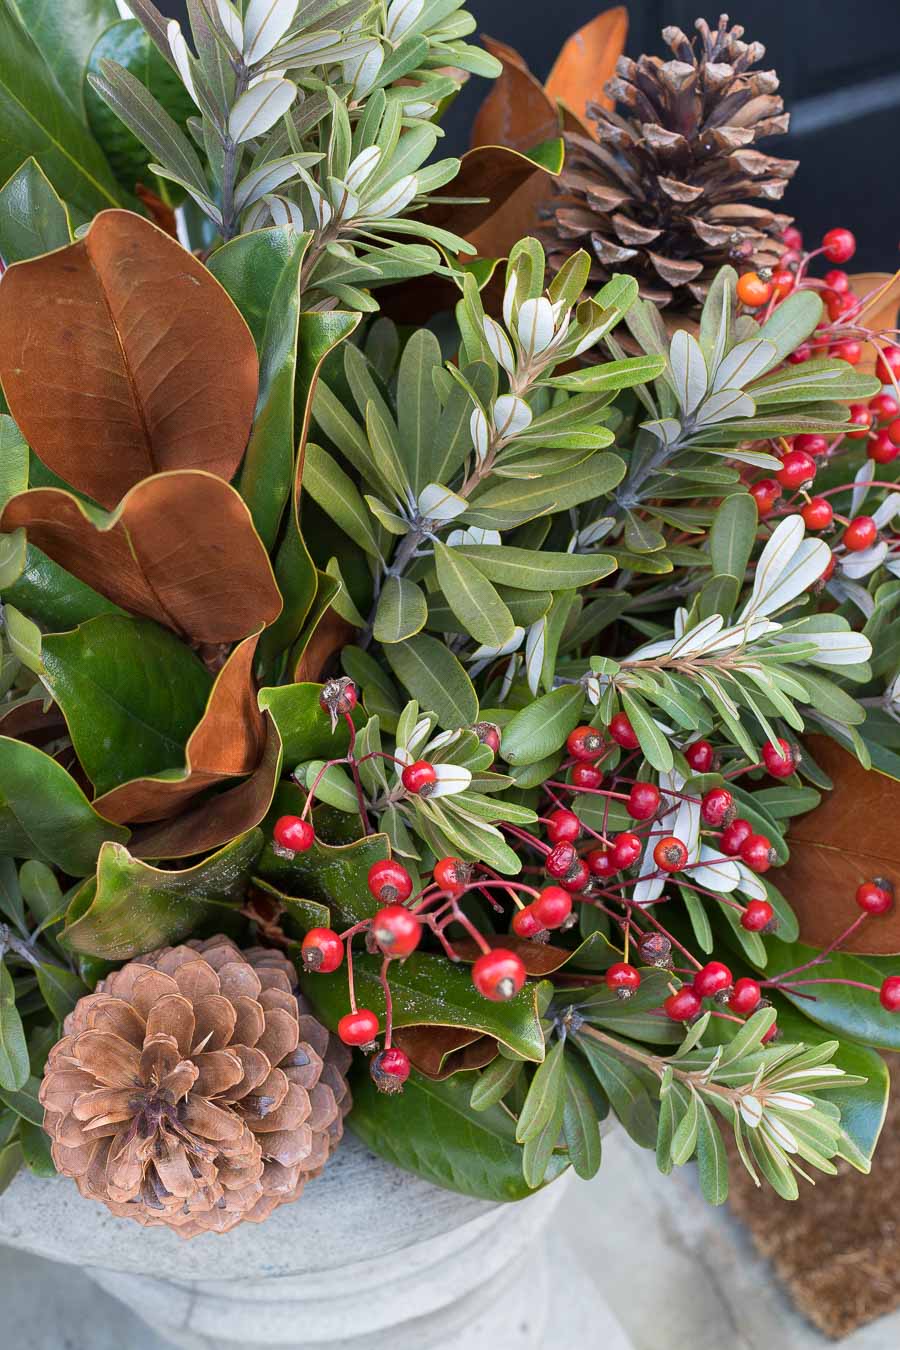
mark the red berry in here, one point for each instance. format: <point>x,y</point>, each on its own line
<point>797,469</point>
<point>875,897</point>
<point>758,917</point>
<point>451,874</point>
<point>792,237</point>
<point>860,534</point>
<point>643,801</point>
<point>838,304</point>
<point>887,367</point>
<point>498,975</point>
<point>753,291</point>
<point>586,776</point>
<point>488,734</point>
<point>684,1005</point>
<point>829,568</point>
<point>626,849</point>
<point>389,881</point>
<point>419,777</point>
<point>884,407</point>
<point>670,854</point>
<point>894,432</point>
<point>770,1034</point>
<point>397,930</point>
<point>563,826</point>
<point>602,863</point>
<point>713,979</point>
<point>322,951</point>
<point>734,835</point>
<point>882,448</point>
<point>838,245</point>
<point>623,979</point>
<point>811,444</point>
<point>757,852</point>
<point>577,876</point>
<point>553,906</point>
<point>745,997</point>
<point>765,493</point>
<point>622,732</point>
<point>837,280</point>
<point>800,354</point>
<point>783,282</point>
<point>293,834</point>
<point>817,513</point>
<point>585,743</point>
<point>526,923</point>
<point>717,806</point>
<point>890,993</point>
<point>701,756</point>
<point>848,349</point>
<point>338,698</point>
<point>860,421</point>
<point>779,758</point>
<point>390,1070</point>
<point>560,860</point>
<point>358,1028</point>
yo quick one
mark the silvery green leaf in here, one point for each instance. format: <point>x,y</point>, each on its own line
<point>665,429</point>
<point>688,368</point>
<point>716,872</point>
<point>804,570</point>
<point>840,649</point>
<point>182,57</point>
<point>775,557</point>
<point>742,364</point>
<point>480,434</point>
<point>393,523</point>
<point>361,72</point>
<point>284,211</point>
<point>715,321</point>
<point>698,639</point>
<point>401,15</point>
<point>724,404</point>
<point>791,323</point>
<point>861,480</point>
<point>267,178</point>
<point>535,645</point>
<point>758,458</point>
<point>843,589</point>
<point>451,779</point>
<point>440,504</point>
<point>393,200</point>
<point>265,24</point>
<point>887,510</point>
<point>750,883</point>
<point>231,24</point>
<point>511,415</point>
<point>499,344</point>
<point>257,110</point>
<point>535,325</point>
<point>859,565</point>
<point>200,198</point>
<point>360,168</point>
<point>150,122</point>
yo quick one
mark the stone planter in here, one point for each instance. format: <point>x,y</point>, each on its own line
<point>369,1258</point>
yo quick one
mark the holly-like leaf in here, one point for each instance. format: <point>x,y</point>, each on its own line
<point>44,814</point>
<point>335,875</point>
<point>304,726</point>
<point>130,907</point>
<point>137,325</point>
<point>180,549</point>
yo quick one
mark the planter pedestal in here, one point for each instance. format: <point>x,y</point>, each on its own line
<point>370,1258</point>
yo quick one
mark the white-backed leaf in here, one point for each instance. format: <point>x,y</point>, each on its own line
<point>265,24</point>
<point>688,367</point>
<point>744,363</point>
<point>257,110</point>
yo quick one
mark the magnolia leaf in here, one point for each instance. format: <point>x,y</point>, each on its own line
<point>135,323</point>
<point>517,111</point>
<point>586,62</point>
<point>130,907</point>
<point>333,875</point>
<point>33,220</point>
<point>180,549</point>
<point>304,726</point>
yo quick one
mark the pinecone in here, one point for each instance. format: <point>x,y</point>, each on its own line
<point>193,1089</point>
<point>664,192</point>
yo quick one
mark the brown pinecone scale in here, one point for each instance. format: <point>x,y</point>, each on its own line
<point>193,1089</point>
<point>666,192</point>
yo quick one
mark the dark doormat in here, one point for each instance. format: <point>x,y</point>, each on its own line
<point>836,1248</point>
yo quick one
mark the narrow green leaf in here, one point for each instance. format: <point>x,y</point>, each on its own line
<point>580,1125</point>
<point>653,742</point>
<point>473,599</point>
<point>733,534</point>
<point>494,1082</point>
<point>402,610</point>
<point>712,1160</point>
<point>13,1049</point>
<point>431,674</point>
<point>530,570</point>
<point>544,1094</point>
<point>542,726</point>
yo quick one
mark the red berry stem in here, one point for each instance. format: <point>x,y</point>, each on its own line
<point>823,955</point>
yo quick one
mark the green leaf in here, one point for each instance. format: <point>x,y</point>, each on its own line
<point>38,121</point>
<point>36,1149</point>
<point>581,1127</point>
<point>537,1153</point>
<point>684,1140</point>
<point>44,814</point>
<point>13,1049</point>
<point>493,1083</point>
<point>431,991</point>
<point>334,875</point>
<point>432,675</point>
<point>304,727</point>
<point>733,535</point>
<point>24,1100</point>
<point>12,905</point>
<point>48,593</point>
<point>543,725</point>
<point>530,570</point>
<point>544,1096</point>
<point>131,907</point>
<point>61,988</point>
<point>24,639</point>
<point>337,494</point>
<point>791,323</point>
<point>65,35</point>
<point>41,891</point>
<point>712,1160</point>
<point>402,610</point>
<point>32,218</point>
<point>654,745</point>
<point>11,1159</point>
<point>841,1009</point>
<point>126,683</point>
<point>627,1094</point>
<point>13,454</point>
<point>474,601</point>
<point>418,407</point>
<point>432,1130</point>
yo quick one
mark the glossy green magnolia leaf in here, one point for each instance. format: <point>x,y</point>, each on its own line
<point>434,677</point>
<point>131,907</point>
<point>304,727</point>
<point>39,121</point>
<point>129,684</point>
<point>433,1130</point>
<point>13,448</point>
<point>65,35</point>
<point>334,875</point>
<point>473,599</point>
<point>46,592</point>
<point>33,220</point>
<point>44,814</point>
<point>13,1049</point>
<point>430,991</point>
<point>542,726</point>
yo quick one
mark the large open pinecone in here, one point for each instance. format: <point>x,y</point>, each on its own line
<point>193,1088</point>
<point>664,193</point>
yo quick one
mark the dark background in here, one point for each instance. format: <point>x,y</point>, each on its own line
<point>839,62</point>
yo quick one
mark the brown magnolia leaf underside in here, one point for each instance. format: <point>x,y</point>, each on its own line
<point>850,838</point>
<point>34,721</point>
<point>517,112</point>
<point>228,742</point>
<point>880,313</point>
<point>331,634</point>
<point>214,821</point>
<point>180,548</point>
<point>587,60</point>
<point>539,958</point>
<point>121,356</point>
<point>439,1052</point>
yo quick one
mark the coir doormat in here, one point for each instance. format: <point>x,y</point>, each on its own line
<point>836,1248</point>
